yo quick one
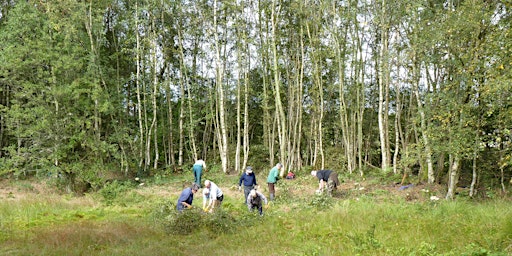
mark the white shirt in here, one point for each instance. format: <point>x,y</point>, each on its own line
<point>213,190</point>
<point>200,162</point>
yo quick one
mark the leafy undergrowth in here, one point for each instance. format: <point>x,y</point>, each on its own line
<point>362,218</point>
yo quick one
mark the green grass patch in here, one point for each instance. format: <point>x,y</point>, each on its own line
<point>133,220</point>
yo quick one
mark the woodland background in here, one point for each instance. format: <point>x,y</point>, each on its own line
<point>103,89</point>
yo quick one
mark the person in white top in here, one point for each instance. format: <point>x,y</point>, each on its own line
<point>255,199</point>
<point>212,196</point>
<point>197,169</point>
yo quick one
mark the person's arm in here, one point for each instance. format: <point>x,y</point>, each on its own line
<point>211,205</point>
<point>185,204</point>
<point>183,197</point>
<point>263,197</point>
<point>213,198</point>
<point>205,199</point>
<point>321,185</point>
<point>241,179</point>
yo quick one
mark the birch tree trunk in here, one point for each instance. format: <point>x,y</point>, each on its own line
<point>170,139</point>
<point>474,177</point>
<point>187,84</point>
<point>246,118</point>
<point>340,42</point>
<point>280,117</point>
<point>181,121</point>
<point>383,73</point>
<point>223,140</point>
<point>137,83</point>
<point>453,177</point>
<point>153,127</point>
<point>423,124</point>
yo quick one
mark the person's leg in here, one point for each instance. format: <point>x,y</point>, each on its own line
<point>330,186</point>
<point>219,201</point>
<point>247,190</point>
<point>334,177</point>
<point>199,174</point>
<point>260,209</point>
<point>195,170</point>
<point>271,190</point>
<point>332,182</point>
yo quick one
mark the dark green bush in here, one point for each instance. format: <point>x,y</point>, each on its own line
<point>112,192</point>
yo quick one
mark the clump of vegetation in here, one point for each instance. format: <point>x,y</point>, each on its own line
<point>114,191</point>
<point>194,220</point>
<point>321,201</point>
<point>225,220</point>
<point>183,223</point>
<point>365,241</point>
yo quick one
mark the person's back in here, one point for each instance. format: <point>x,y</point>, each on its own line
<point>197,169</point>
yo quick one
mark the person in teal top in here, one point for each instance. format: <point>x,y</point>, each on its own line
<point>198,168</point>
<point>273,177</point>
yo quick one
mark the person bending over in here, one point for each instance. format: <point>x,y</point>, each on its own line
<point>256,200</point>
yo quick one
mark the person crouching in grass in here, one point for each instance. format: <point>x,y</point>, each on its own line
<point>256,200</point>
<point>186,197</point>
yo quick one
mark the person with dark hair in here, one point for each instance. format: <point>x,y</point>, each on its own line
<point>326,179</point>
<point>255,199</point>
<point>273,177</point>
<point>186,197</point>
<point>198,168</point>
<point>212,196</point>
<point>249,181</point>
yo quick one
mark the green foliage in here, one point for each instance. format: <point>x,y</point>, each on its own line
<point>299,225</point>
<point>191,221</point>
<point>184,223</point>
<point>115,192</point>
<point>365,242</point>
<point>321,201</point>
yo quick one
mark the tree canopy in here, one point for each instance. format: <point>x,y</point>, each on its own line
<point>92,89</point>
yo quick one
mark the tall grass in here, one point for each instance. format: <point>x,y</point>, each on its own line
<point>129,221</point>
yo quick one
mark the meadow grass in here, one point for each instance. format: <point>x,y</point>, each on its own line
<point>130,220</point>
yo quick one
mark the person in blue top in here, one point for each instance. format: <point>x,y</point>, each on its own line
<point>272,178</point>
<point>186,197</point>
<point>249,181</point>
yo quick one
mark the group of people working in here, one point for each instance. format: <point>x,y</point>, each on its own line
<point>213,196</point>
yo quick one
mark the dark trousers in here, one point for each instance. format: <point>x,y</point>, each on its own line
<point>259,207</point>
<point>271,190</point>
<point>247,189</point>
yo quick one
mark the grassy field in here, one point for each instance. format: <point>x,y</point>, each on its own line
<point>370,218</point>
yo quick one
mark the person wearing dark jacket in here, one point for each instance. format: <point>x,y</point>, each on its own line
<point>248,179</point>
<point>326,179</point>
